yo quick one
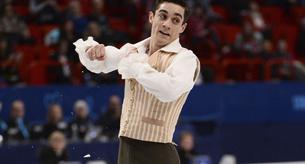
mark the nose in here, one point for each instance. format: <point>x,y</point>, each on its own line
<point>167,24</point>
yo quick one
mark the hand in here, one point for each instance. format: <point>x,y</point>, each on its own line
<point>96,52</point>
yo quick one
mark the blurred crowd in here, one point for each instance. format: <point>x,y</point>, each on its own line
<point>56,131</point>
<point>36,36</point>
<point>80,127</point>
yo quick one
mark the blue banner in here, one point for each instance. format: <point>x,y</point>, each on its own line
<point>225,103</point>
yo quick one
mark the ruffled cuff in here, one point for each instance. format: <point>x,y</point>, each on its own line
<point>130,66</point>
<point>80,47</point>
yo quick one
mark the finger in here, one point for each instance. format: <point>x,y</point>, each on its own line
<point>102,51</point>
<point>88,48</point>
<point>100,55</point>
<point>91,54</point>
<point>96,51</point>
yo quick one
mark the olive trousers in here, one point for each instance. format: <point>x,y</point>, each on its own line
<point>133,151</point>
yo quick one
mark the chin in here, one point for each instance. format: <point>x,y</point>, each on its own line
<point>163,42</point>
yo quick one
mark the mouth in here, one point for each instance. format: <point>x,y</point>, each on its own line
<point>163,33</point>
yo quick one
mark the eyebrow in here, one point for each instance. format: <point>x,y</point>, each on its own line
<point>177,14</point>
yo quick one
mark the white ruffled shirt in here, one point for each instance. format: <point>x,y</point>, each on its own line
<point>168,86</point>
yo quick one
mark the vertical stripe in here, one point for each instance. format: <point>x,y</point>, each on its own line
<point>157,116</point>
<point>165,117</point>
<point>175,106</point>
<point>137,111</point>
<point>150,133</point>
<point>149,114</point>
<point>145,111</point>
<point>177,112</point>
<point>162,63</point>
<point>133,112</point>
<point>142,109</point>
<point>168,61</point>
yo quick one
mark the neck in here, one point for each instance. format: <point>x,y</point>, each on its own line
<point>153,47</point>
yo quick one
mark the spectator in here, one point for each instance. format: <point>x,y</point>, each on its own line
<point>80,126</point>
<point>65,31</point>
<point>256,16</point>
<point>45,11</point>
<point>94,29</point>
<point>61,74</point>
<point>11,25</point>
<point>55,121</point>
<point>203,38</point>
<point>98,19</point>
<point>17,128</point>
<point>55,152</point>
<point>63,36</point>
<point>110,120</point>
<point>249,42</point>
<point>267,51</point>
<point>10,61</point>
<point>186,149</point>
<point>74,13</point>
<point>98,15</point>
<point>282,50</point>
<point>282,71</point>
<point>26,38</point>
<point>206,6</point>
<point>285,71</point>
<point>258,21</point>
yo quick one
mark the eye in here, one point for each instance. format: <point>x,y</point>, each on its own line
<point>162,16</point>
<point>176,20</point>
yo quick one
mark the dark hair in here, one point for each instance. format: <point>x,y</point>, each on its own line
<point>181,3</point>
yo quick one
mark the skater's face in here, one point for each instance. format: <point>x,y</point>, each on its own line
<point>167,23</point>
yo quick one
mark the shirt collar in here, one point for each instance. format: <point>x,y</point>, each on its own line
<point>173,47</point>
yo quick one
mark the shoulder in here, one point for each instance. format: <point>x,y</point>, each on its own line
<point>185,58</point>
<point>186,54</point>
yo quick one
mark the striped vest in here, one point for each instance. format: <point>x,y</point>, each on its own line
<point>146,118</point>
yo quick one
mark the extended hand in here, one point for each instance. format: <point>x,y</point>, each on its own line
<point>96,52</point>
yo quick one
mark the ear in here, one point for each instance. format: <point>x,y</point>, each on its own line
<point>151,17</point>
<point>183,27</point>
